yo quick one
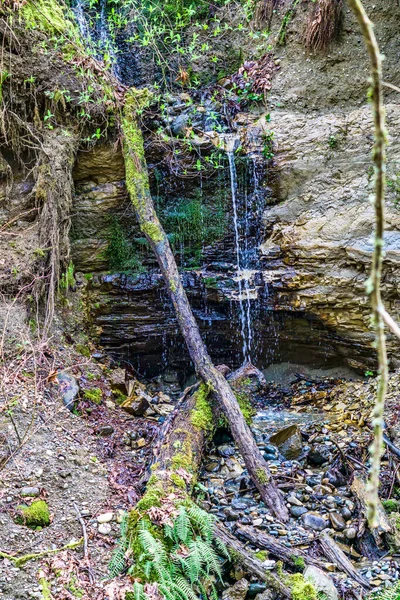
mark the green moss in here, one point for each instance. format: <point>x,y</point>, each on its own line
<point>52,18</point>
<point>390,506</point>
<point>35,515</point>
<point>82,349</point>
<point>261,555</point>
<point>262,476</point>
<point>119,396</point>
<point>152,231</point>
<point>178,481</point>
<point>245,406</point>
<point>94,395</point>
<point>202,416</point>
<point>302,589</point>
<point>298,562</point>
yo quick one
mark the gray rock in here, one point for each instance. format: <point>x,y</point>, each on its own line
<point>314,521</point>
<point>297,511</point>
<point>69,389</point>
<point>226,450</point>
<point>178,128</point>
<point>322,583</point>
<point>105,430</point>
<point>30,491</point>
<point>230,514</point>
<point>288,441</point>
<point>350,533</point>
<point>337,521</point>
<point>238,591</point>
<point>346,513</point>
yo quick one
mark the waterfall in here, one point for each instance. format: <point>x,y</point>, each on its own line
<point>97,36</point>
<point>242,274</point>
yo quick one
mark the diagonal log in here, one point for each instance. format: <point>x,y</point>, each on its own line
<point>251,563</point>
<point>138,187</point>
<point>289,556</point>
<point>335,555</point>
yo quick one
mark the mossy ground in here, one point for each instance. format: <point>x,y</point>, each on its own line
<point>34,516</point>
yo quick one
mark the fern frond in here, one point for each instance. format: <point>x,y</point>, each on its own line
<point>117,563</point>
<point>138,591</point>
<point>204,522</point>
<point>182,525</point>
<point>221,548</point>
<point>209,558</point>
<point>185,589</point>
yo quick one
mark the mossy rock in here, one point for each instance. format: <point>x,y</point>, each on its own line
<point>33,516</point>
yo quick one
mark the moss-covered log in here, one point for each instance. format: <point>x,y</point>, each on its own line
<point>138,187</point>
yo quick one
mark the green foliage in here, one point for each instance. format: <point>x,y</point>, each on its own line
<point>67,280</point>
<point>120,252</point>
<point>191,225</point>
<point>268,145</point>
<point>4,75</point>
<point>333,142</point>
<point>82,349</point>
<point>285,22</point>
<point>247,409</point>
<point>202,416</point>
<point>35,515</point>
<point>118,563</point>
<point>261,555</point>
<point>301,588</point>
<point>391,505</point>
<point>94,395</point>
<point>51,17</point>
<point>392,593</point>
<point>179,556</point>
<point>298,563</point>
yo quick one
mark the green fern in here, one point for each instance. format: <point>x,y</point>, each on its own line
<point>118,563</point>
<point>180,557</point>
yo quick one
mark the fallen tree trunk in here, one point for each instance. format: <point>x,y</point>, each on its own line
<point>335,555</point>
<point>138,187</point>
<point>382,527</point>
<point>291,556</point>
<point>177,461</point>
<point>251,563</point>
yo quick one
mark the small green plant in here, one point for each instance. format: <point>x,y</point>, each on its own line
<point>391,593</point>
<point>369,373</point>
<point>333,142</point>
<point>181,557</point>
<point>118,562</point>
<point>268,145</point>
<point>35,515</point>
<point>120,252</point>
<point>94,395</point>
<point>390,505</point>
<point>67,280</point>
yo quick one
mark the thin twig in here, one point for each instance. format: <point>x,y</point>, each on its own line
<point>391,323</point>
<point>374,282</point>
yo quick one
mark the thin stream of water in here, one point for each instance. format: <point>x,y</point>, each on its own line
<point>245,311</point>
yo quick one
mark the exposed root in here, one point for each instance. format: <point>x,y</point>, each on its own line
<point>53,192</point>
<point>324,24</point>
<point>19,561</point>
<point>264,12</point>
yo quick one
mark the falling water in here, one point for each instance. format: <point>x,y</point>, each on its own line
<point>98,37</point>
<point>245,310</point>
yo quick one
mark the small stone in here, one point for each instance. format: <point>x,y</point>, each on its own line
<point>350,533</point>
<point>346,513</point>
<point>297,511</point>
<point>30,491</point>
<point>293,500</point>
<point>314,521</point>
<point>230,514</point>
<point>104,528</point>
<point>337,521</point>
<point>105,517</point>
<point>238,591</point>
<point>106,430</point>
<point>257,522</point>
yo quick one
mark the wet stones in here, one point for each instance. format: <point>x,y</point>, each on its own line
<point>314,521</point>
<point>297,511</point>
<point>337,521</point>
<point>288,441</point>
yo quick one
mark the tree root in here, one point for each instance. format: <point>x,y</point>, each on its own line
<point>20,561</point>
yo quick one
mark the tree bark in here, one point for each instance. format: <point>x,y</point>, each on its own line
<point>289,555</point>
<point>138,188</point>
<point>251,563</point>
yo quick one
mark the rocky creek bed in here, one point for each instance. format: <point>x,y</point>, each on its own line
<point>90,466</point>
